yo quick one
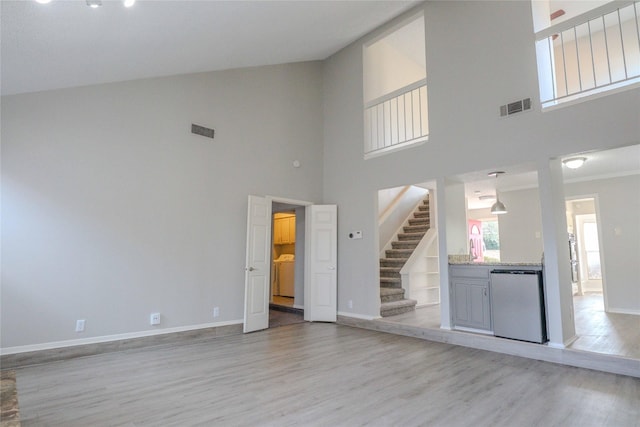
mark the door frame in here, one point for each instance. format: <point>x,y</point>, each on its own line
<point>269,201</point>
<point>295,203</point>
<point>596,205</point>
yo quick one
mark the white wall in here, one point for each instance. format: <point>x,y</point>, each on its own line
<point>619,213</point>
<point>395,61</point>
<point>456,219</point>
<point>112,209</point>
<point>495,40</point>
<point>521,227</point>
<point>394,211</point>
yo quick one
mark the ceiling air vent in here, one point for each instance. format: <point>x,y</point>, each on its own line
<point>201,130</point>
<point>515,107</point>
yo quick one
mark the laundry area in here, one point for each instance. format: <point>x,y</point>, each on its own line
<point>283,267</point>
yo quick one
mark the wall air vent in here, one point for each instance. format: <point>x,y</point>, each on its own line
<point>201,130</point>
<point>515,107</point>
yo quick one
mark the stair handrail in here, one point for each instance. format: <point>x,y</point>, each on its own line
<point>404,223</point>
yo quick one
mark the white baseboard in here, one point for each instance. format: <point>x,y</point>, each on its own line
<point>564,344</point>
<point>623,311</point>
<point>358,316</point>
<point>298,306</point>
<point>474,330</point>
<point>109,338</point>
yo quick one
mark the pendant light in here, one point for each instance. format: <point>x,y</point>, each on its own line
<point>498,207</point>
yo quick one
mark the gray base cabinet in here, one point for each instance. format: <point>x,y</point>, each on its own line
<point>471,303</point>
<point>471,300</point>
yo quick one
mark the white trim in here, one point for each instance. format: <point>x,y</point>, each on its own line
<point>397,147</point>
<point>595,93</point>
<point>298,306</point>
<point>611,175</point>
<point>109,338</point>
<point>474,330</point>
<point>563,345</point>
<point>578,20</point>
<point>554,345</point>
<point>624,311</point>
<point>358,316</point>
<point>396,93</point>
<point>288,201</point>
<point>382,217</point>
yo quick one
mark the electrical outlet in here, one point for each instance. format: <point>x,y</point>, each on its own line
<point>154,319</point>
<point>350,304</point>
<point>80,325</point>
<point>216,311</point>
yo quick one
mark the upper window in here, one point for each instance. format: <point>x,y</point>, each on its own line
<point>395,89</point>
<point>584,48</point>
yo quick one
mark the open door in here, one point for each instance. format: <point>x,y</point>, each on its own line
<point>321,290</point>
<point>258,265</point>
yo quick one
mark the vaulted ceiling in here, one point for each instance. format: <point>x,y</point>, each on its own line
<point>66,43</point>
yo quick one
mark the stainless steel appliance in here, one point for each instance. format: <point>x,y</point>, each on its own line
<point>517,305</point>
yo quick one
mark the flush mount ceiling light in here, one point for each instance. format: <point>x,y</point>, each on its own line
<point>94,3</point>
<point>129,3</point>
<point>43,1</point>
<point>498,208</point>
<point>574,162</point>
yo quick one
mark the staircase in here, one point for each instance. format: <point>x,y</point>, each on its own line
<point>391,292</point>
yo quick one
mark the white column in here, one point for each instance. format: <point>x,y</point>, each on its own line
<point>441,221</point>
<point>557,272</point>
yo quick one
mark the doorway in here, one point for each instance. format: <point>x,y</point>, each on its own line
<point>588,252</point>
<point>585,252</point>
<point>287,254</point>
<point>318,271</point>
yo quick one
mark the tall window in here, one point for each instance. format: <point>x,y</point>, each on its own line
<point>584,48</point>
<point>395,89</point>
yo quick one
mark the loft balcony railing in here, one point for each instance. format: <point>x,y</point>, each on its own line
<point>590,53</point>
<point>396,120</point>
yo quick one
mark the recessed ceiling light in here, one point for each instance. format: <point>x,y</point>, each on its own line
<point>129,3</point>
<point>94,3</point>
<point>43,1</point>
<point>574,162</point>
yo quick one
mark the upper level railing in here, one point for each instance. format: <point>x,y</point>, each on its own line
<point>590,53</point>
<point>396,119</point>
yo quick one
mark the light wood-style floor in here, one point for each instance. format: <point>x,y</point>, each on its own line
<point>608,333</point>
<point>597,331</point>
<point>315,374</point>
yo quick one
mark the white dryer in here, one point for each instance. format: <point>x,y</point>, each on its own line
<point>285,267</point>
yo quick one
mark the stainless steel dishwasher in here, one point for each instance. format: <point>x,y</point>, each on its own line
<point>517,305</point>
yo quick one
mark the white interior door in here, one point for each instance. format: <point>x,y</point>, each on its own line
<point>258,265</point>
<point>589,253</point>
<point>321,275</point>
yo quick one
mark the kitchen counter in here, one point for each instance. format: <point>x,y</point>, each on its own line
<point>464,260</point>
<point>498,264</point>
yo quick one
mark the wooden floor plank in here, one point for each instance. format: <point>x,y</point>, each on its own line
<point>316,374</point>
